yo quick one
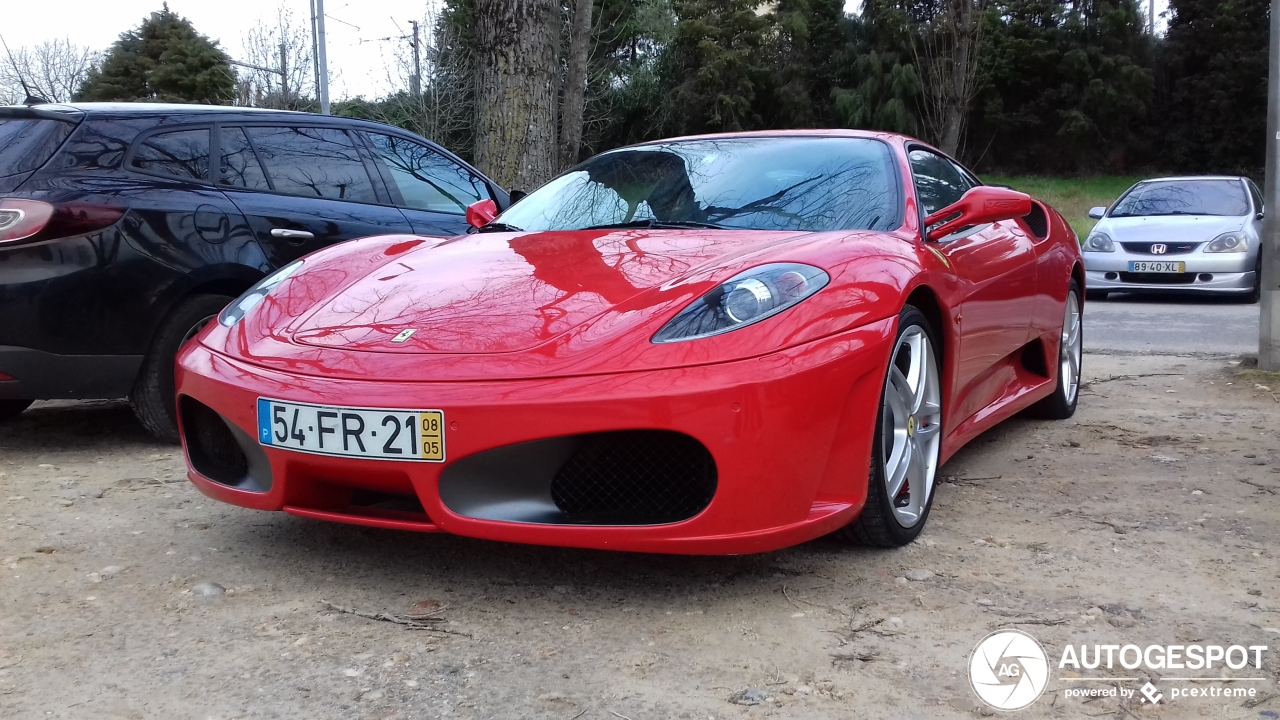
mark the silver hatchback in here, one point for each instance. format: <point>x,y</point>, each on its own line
<point>1180,234</point>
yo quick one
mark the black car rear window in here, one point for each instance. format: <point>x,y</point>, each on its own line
<point>181,154</point>
<point>27,143</point>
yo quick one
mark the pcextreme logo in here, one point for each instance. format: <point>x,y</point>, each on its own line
<point>1009,670</point>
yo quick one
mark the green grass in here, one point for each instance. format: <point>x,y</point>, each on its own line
<point>1070,196</point>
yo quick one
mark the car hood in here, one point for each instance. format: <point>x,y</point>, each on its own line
<point>491,293</point>
<point>540,305</point>
<point>1169,228</point>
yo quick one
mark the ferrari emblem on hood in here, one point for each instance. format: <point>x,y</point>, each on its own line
<point>404,335</point>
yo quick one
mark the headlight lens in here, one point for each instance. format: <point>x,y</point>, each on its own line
<point>1098,242</point>
<point>1232,242</point>
<point>236,311</point>
<point>748,297</point>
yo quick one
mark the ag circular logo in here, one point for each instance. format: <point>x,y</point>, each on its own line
<point>1008,670</point>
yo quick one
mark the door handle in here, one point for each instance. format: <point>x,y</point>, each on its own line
<point>292,234</point>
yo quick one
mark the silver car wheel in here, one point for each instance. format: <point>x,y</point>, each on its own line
<point>1072,348</point>
<point>911,426</point>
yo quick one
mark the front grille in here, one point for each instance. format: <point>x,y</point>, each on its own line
<point>212,448</point>
<point>1144,248</point>
<point>636,477</point>
<point>1158,278</point>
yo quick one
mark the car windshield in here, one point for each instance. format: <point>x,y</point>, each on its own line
<point>1184,197</point>
<point>811,184</point>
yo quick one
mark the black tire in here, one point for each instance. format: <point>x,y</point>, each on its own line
<point>1096,295</point>
<point>1062,404</point>
<point>10,409</point>
<point>153,392</point>
<point>878,525</point>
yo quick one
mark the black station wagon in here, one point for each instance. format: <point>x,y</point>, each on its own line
<point>125,227</point>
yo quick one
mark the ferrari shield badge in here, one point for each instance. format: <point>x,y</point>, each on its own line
<point>404,335</point>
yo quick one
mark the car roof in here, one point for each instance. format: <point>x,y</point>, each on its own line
<point>804,132</point>
<point>1178,178</point>
<point>141,108</point>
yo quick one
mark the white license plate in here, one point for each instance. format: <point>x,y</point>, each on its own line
<point>352,432</point>
<point>1157,267</point>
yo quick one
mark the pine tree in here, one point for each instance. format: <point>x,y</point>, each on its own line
<point>1214,84</point>
<point>162,60</point>
<point>718,65</point>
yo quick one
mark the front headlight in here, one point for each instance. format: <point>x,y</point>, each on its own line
<point>747,298</point>
<point>236,311</point>
<point>1232,242</point>
<point>1098,242</point>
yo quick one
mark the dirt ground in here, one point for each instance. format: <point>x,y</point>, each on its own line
<point>1151,517</point>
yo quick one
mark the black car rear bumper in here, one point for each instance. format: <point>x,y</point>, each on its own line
<point>38,375</point>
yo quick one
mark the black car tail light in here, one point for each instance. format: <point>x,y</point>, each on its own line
<point>33,220</point>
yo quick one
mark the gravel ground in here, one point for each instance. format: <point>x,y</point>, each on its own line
<point>1148,518</point>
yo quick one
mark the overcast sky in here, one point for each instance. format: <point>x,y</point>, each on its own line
<point>358,57</point>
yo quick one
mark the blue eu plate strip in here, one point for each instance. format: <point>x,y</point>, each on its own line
<point>264,421</point>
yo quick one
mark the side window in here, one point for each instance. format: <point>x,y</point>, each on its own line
<point>181,154</point>
<point>1258,202</point>
<point>314,162</point>
<point>426,179</point>
<point>238,165</point>
<point>938,182</point>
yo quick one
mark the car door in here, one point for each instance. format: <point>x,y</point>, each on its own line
<point>432,189</point>
<point>178,216</point>
<point>994,266</point>
<point>303,187</point>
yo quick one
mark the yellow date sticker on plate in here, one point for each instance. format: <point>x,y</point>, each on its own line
<point>432,435</point>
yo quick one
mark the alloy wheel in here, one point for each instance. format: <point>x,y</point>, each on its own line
<point>912,424</point>
<point>1072,348</point>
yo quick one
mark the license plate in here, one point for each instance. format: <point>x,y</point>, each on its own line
<point>1157,267</point>
<point>370,433</point>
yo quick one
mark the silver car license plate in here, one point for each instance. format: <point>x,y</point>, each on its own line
<point>1163,266</point>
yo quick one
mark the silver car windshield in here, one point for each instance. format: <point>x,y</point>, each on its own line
<point>1184,197</point>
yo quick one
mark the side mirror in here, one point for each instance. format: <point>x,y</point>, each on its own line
<point>481,213</point>
<point>1097,213</point>
<point>981,205</point>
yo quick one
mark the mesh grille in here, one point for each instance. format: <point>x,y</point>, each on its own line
<point>1144,248</point>
<point>211,447</point>
<point>637,477</point>
<point>1158,278</point>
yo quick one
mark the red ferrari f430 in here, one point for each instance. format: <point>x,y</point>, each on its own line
<point>715,344</point>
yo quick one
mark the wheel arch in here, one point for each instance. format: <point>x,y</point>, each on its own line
<point>925,299</point>
<point>230,279</point>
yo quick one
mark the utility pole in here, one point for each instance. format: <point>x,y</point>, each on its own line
<point>1269,327</point>
<point>322,63</point>
<point>315,50</point>
<point>1151,18</point>
<point>415,83</point>
<point>284,74</point>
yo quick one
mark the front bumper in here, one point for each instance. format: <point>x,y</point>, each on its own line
<point>790,434</point>
<point>1205,272</point>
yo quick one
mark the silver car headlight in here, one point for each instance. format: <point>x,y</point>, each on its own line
<point>1098,242</point>
<point>746,298</point>
<point>1232,242</point>
<point>241,306</point>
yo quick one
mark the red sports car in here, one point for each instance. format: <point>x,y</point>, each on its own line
<point>715,344</point>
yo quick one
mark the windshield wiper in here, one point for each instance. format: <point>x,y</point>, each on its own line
<point>658,225</point>
<point>499,227</point>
